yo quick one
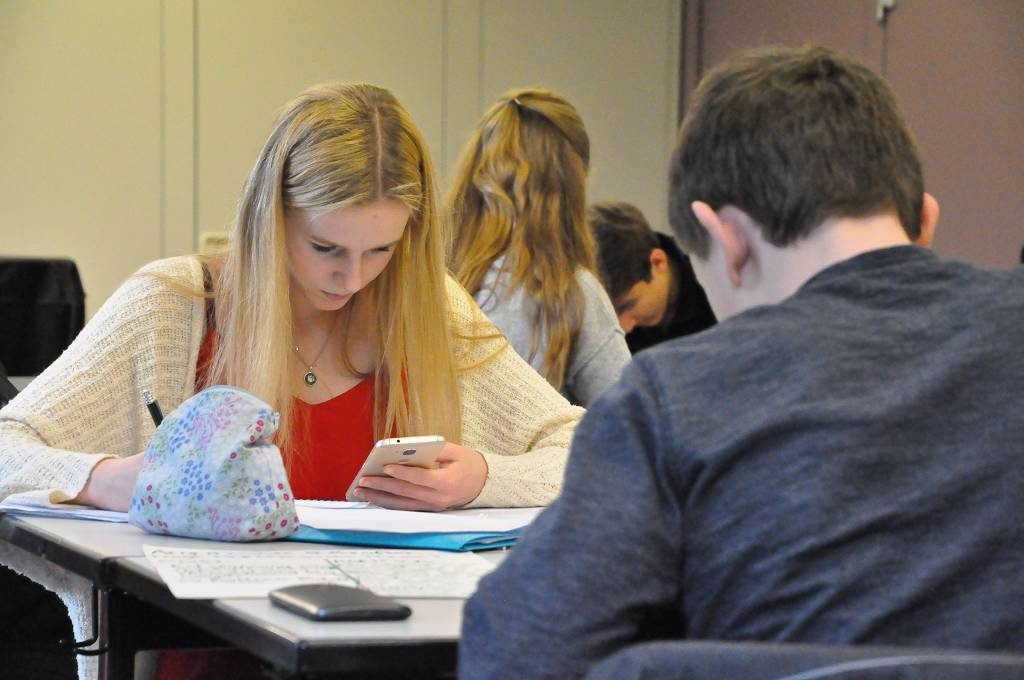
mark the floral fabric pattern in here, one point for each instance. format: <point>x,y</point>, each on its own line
<point>211,471</point>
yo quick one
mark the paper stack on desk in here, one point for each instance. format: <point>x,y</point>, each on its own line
<point>344,523</point>
<point>363,524</point>
<point>37,504</point>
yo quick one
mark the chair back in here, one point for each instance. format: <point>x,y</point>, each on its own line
<point>42,309</point>
<point>699,660</point>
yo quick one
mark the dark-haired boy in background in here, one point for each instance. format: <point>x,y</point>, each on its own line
<point>650,281</point>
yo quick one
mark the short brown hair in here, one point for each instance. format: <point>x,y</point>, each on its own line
<point>624,244</point>
<point>793,137</point>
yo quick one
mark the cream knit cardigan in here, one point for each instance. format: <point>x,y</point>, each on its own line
<point>87,406</point>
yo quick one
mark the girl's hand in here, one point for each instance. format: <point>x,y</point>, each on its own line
<point>458,480</point>
<point>111,484</point>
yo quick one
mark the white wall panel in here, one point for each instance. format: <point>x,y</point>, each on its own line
<point>80,135</point>
<point>254,56</point>
<point>128,126</point>
<point>617,62</point>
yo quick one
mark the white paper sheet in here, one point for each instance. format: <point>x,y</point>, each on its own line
<point>201,573</point>
<point>365,517</point>
<point>22,504</point>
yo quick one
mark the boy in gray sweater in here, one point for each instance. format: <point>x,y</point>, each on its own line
<point>838,460</point>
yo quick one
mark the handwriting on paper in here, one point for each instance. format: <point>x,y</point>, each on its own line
<point>253,572</point>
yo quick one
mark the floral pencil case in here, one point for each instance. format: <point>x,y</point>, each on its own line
<point>211,471</point>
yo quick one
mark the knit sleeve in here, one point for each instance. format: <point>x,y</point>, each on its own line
<point>510,413</point>
<point>87,405</point>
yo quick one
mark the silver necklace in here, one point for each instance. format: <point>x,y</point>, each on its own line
<point>310,377</point>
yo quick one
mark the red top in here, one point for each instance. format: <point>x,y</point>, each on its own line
<point>330,441</point>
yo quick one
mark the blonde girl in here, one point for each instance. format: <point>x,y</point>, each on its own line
<point>334,306</point>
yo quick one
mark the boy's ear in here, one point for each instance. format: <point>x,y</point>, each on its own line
<point>659,259</point>
<point>929,218</point>
<point>729,237</point>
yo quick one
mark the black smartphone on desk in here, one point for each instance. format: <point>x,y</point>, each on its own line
<point>333,602</point>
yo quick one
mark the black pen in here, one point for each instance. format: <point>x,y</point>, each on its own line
<point>154,408</point>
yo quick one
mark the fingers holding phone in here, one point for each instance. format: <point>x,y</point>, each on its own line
<point>458,479</point>
<point>411,451</point>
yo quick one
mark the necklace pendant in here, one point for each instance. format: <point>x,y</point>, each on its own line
<point>309,378</point>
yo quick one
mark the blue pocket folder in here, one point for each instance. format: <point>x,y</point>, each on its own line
<point>339,522</point>
<point>459,541</point>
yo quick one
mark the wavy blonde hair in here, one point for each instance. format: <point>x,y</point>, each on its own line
<point>520,191</point>
<point>336,145</point>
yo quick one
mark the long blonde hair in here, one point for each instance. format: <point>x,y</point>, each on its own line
<point>520,191</point>
<point>335,145</point>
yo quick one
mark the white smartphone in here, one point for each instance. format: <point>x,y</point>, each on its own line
<point>416,451</point>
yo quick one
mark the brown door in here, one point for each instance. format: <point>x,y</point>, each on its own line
<point>958,71</point>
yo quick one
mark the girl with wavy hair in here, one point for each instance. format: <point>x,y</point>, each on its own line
<point>523,247</point>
